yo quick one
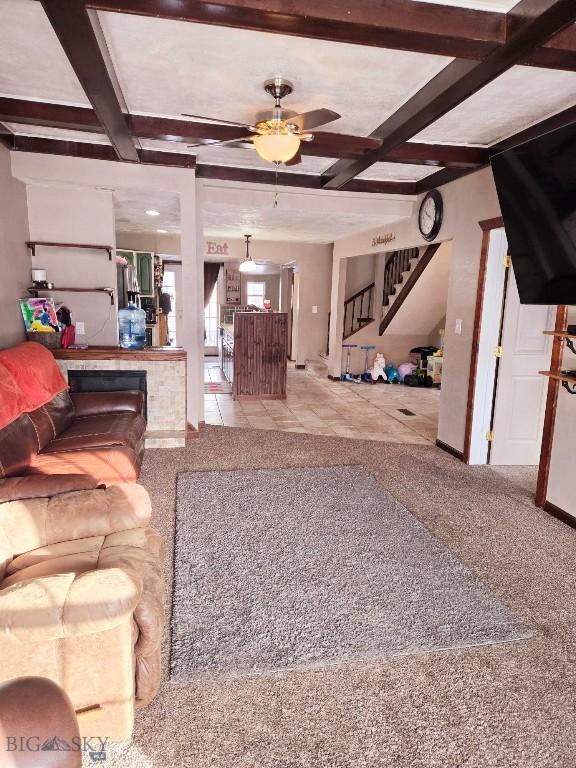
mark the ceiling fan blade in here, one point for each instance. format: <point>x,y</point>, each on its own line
<point>294,160</point>
<point>207,143</point>
<point>313,119</point>
<point>223,122</point>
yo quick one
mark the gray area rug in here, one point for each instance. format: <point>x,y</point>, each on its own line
<point>302,568</point>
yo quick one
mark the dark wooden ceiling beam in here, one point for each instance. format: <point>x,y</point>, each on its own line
<point>325,144</point>
<point>458,81</point>
<point>205,171</point>
<point>86,50</point>
<point>7,137</point>
<point>98,151</point>
<point>430,28</point>
<point>400,24</point>
<point>305,180</point>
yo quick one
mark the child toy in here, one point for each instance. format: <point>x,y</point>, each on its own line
<point>347,376</point>
<point>378,370</point>
<point>392,374</point>
<point>366,374</point>
<point>405,369</point>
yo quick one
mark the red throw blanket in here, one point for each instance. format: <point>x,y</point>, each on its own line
<point>29,378</point>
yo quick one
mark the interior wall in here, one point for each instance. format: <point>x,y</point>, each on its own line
<point>313,267</point>
<point>15,261</point>
<point>359,273</point>
<point>83,174</point>
<point>466,202</point>
<point>563,460</point>
<point>148,241</point>
<point>64,215</point>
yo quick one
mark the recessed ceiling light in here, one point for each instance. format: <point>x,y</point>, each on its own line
<point>162,231</point>
<point>152,212</point>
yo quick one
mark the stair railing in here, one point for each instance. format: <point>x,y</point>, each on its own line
<point>358,310</point>
<point>397,263</point>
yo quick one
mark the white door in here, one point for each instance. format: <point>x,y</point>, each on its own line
<point>521,392</point>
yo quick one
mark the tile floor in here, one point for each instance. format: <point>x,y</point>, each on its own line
<point>316,405</point>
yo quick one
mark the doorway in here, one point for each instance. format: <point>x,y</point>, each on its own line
<point>510,395</point>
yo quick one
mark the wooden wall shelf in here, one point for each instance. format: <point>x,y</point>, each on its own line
<point>110,291</point>
<point>559,376</point>
<point>32,244</point>
<point>569,338</point>
<point>566,378</point>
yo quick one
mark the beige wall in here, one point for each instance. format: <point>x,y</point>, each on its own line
<point>360,273</point>
<point>561,490</point>
<point>14,256</point>
<point>64,215</point>
<point>466,202</point>
<point>82,174</point>
<point>145,241</point>
<point>313,267</point>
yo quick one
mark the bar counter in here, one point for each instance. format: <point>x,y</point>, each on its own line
<point>118,353</point>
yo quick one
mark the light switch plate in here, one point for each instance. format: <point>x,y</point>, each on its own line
<point>458,327</point>
<point>315,309</point>
<point>80,330</point>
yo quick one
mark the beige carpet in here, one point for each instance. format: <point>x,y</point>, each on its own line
<point>501,706</point>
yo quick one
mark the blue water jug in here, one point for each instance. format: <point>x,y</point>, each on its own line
<point>132,327</point>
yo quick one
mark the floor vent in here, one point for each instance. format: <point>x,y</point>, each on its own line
<point>406,412</point>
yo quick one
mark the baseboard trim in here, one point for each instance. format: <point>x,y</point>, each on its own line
<point>192,432</point>
<point>559,514</point>
<point>300,367</point>
<point>452,451</point>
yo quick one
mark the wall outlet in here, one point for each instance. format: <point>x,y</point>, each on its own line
<point>315,309</point>
<point>458,327</point>
<point>80,330</point>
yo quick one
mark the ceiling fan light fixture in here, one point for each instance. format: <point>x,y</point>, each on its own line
<point>277,147</point>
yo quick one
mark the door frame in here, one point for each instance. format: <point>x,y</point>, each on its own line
<point>487,227</point>
<point>481,381</point>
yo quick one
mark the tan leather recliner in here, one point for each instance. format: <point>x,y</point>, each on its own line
<point>81,599</point>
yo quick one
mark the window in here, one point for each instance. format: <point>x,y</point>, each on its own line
<point>211,320</point>
<point>255,294</point>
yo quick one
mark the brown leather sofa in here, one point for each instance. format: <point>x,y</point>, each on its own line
<point>100,434</point>
<point>81,595</point>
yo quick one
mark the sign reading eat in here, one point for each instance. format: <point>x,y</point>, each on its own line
<point>218,249</point>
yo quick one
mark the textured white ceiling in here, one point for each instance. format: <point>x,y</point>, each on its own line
<point>169,67</point>
<point>58,133</point>
<point>518,98</point>
<point>130,206</point>
<point>32,62</point>
<point>269,223</point>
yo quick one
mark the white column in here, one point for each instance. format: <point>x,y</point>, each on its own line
<point>192,288</point>
<point>337,298</point>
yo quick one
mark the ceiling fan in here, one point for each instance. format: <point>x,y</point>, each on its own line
<point>278,138</point>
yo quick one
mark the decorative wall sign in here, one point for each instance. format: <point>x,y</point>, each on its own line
<point>388,237</point>
<point>216,249</point>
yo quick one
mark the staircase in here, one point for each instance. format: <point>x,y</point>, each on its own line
<point>402,271</point>
<point>358,312</point>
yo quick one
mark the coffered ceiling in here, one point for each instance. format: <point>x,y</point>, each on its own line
<point>427,91</point>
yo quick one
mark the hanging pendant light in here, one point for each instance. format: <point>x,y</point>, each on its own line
<point>248,264</point>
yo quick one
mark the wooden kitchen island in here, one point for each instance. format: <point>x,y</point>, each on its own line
<point>254,355</point>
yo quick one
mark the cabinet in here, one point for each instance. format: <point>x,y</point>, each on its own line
<point>144,263</point>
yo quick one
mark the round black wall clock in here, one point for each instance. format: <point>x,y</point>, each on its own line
<point>430,215</point>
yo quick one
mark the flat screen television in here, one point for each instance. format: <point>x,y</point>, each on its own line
<point>536,185</point>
